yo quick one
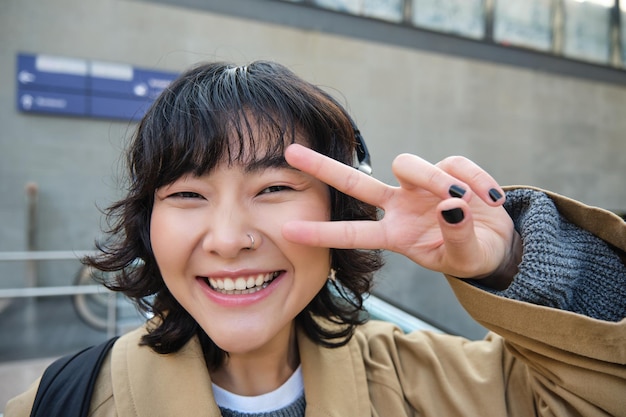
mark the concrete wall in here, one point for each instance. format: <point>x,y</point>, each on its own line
<point>522,125</point>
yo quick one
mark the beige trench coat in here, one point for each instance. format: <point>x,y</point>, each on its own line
<point>537,361</point>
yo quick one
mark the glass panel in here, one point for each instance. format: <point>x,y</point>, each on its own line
<point>381,9</point>
<point>349,6</point>
<point>587,29</point>
<point>526,23</point>
<point>384,9</point>
<point>462,17</point>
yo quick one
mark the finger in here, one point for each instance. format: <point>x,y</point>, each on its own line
<point>481,183</point>
<point>338,235</point>
<point>340,176</point>
<point>414,172</point>
<point>466,254</point>
<point>461,246</point>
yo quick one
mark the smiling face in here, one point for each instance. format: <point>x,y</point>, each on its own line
<point>199,234</point>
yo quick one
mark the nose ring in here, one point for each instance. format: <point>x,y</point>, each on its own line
<point>251,247</point>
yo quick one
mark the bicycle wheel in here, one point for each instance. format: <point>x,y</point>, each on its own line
<point>91,308</point>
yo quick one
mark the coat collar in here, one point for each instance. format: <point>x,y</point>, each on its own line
<point>148,384</point>
<point>335,382</point>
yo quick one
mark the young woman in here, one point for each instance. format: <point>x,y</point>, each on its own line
<point>258,240</point>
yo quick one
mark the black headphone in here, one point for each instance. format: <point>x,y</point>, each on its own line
<point>363,161</point>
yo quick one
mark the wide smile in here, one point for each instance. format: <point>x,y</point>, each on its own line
<point>241,285</point>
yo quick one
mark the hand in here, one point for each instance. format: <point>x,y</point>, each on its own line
<point>477,241</point>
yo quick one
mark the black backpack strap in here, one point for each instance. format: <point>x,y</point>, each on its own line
<point>67,384</point>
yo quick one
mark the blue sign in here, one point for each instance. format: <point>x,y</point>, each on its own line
<point>52,102</point>
<point>78,87</point>
<point>118,108</point>
<point>125,80</point>
<point>45,72</point>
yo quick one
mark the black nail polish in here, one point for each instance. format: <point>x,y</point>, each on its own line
<point>453,216</point>
<point>494,194</point>
<point>456,191</point>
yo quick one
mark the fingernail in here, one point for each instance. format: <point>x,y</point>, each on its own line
<point>456,191</point>
<point>494,194</point>
<point>453,216</point>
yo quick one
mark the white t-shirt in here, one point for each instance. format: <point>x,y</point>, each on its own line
<point>281,397</point>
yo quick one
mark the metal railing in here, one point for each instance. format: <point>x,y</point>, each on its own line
<point>32,290</point>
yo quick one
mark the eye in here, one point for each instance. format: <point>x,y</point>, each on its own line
<point>185,195</point>
<point>275,189</point>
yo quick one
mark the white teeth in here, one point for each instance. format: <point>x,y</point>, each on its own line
<point>242,285</point>
<point>250,282</point>
<point>260,279</point>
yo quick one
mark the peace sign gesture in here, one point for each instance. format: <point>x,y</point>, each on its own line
<point>470,236</point>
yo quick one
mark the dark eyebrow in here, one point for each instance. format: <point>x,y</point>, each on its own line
<point>269,161</point>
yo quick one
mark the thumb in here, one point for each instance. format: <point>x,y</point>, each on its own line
<point>463,256</point>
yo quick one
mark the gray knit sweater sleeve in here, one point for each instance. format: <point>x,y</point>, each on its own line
<point>563,266</point>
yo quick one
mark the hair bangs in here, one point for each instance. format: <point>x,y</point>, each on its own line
<point>231,116</point>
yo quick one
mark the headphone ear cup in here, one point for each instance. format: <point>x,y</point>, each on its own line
<point>363,161</point>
